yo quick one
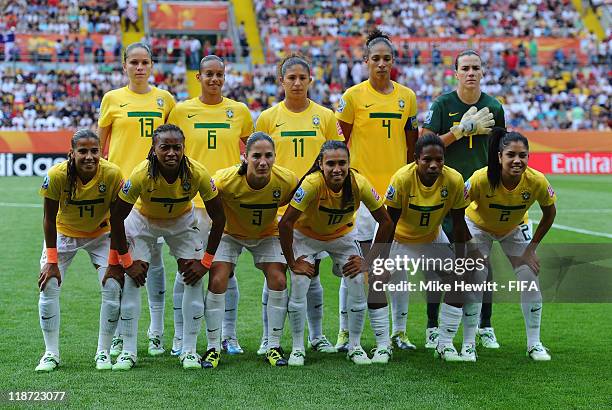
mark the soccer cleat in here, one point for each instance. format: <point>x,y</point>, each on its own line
<point>322,345</point>
<point>296,358</point>
<point>190,360</point>
<point>468,352</point>
<point>211,359</point>
<point>538,353</point>
<point>447,353</point>
<point>401,341</point>
<point>231,346</point>
<point>48,362</point>
<point>156,347</point>
<point>103,361</point>
<point>275,357</point>
<point>342,341</point>
<point>125,361</point>
<point>358,356</point>
<point>263,347</point>
<point>431,337</point>
<point>177,346</point>
<point>486,337</point>
<point>116,346</point>
<point>381,355</point>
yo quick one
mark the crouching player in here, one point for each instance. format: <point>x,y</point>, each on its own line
<point>323,214</point>
<point>501,194</point>
<point>162,188</point>
<point>78,194</point>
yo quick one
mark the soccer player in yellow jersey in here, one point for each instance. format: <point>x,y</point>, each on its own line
<point>419,196</point>
<point>378,120</point>
<point>251,195</point>
<point>77,195</point>
<point>501,194</point>
<point>161,188</point>
<point>128,116</point>
<point>299,127</point>
<point>214,126</point>
<point>323,213</point>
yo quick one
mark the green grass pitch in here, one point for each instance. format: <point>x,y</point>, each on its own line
<point>577,335</point>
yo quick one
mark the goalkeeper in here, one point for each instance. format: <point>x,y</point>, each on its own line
<point>463,119</point>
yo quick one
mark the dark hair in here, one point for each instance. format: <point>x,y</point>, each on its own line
<point>291,60</point>
<point>184,166</point>
<point>132,46</point>
<point>498,141</point>
<point>210,57</point>
<point>256,136</point>
<point>425,141</point>
<point>347,187</point>
<point>468,52</point>
<point>83,133</point>
<point>376,37</point>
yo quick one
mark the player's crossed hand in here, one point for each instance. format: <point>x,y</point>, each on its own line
<point>354,266</point>
<point>138,272</point>
<point>303,267</point>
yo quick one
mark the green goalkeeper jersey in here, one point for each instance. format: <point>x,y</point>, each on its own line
<point>470,152</point>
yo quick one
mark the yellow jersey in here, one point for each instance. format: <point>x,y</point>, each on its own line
<point>156,198</point>
<point>86,214</point>
<point>423,208</point>
<point>378,140</point>
<point>212,132</point>
<point>133,117</point>
<point>251,213</point>
<point>324,216</point>
<point>499,211</point>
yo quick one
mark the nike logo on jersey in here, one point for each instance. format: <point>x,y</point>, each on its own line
<point>357,311</point>
<point>123,105</point>
<point>124,318</point>
<point>47,318</point>
<point>191,115</point>
<point>452,114</point>
<point>368,105</point>
<point>161,292</point>
<point>198,318</point>
<point>177,308</point>
<point>229,310</point>
<point>404,314</point>
<point>535,310</point>
<point>198,249</point>
<point>277,329</point>
<point>468,315</point>
<point>318,306</point>
<point>379,334</point>
<point>281,124</point>
<point>213,330</point>
<point>113,321</point>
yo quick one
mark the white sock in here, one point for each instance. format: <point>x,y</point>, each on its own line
<point>470,319</point>
<point>379,320</point>
<point>314,308</point>
<point>450,318</point>
<point>357,305</point>
<point>130,314</point>
<point>296,309</point>
<point>277,311</point>
<point>177,301</point>
<point>531,304</point>
<point>342,305</point>
<point>156,291</point>
<point>399,303</point>
<point>109,313</point>
<point>49,311</point>
<point>193,311</point>
<point>232,296</point>
<point>215,308</point>
<point>264,309</point>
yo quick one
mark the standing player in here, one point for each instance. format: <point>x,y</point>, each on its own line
<point>501,194</point>
<point>378,117</point>
<point>214,126</point>
<point>463,119</point>
<point>299,127</point>
<point>323,214</point>
<point>162,187</point>
<point>128,117</point>
<point>78,194</point>
<point>251,195</point>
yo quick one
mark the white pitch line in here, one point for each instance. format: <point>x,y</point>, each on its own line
<point>579,230</point>
<point>18,205</point>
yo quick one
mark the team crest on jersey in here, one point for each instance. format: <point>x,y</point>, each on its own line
<point>45,184</point>
<point>186,185</point>
<point>390,195</point>
<point>126,187</point>
<point>375,194</point>
<point>213,187</point>
<point>341,105</point>
<point>316,120</point>
<point>160,102</point>
<point>299,195</point>
<point>276,194</point>
<point>525,195</point>
<point>428,117</point>
<point>444,192</point>
<point>401,104</point>
<point>102,187</point>
<point>230,113</point>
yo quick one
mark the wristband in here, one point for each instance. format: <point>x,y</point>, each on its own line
<point>207,260</point>
<point>125,260</point>
<point>113,257</point>
<point>51,255</point>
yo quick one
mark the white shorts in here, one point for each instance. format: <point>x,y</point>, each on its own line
<point>179,233</point>
<point>513,243</point>
<point>339,249</point>
<point>67,248</point>
<point>320,255</point>
<point>264,250</point>
<point>365,224</point>
<point>439,248</point>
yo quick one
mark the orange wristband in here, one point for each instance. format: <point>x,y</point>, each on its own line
<point>51,255</point>
<point>207,260</point>
<point>113,257</point>
<point>125,260</point>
